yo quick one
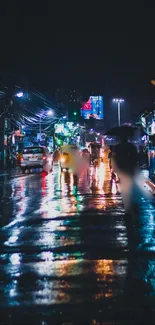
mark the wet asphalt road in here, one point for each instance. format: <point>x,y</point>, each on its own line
<point>64,255</point>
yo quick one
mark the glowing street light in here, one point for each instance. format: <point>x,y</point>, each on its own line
<point>49,113</point>
<point>118,101</point>
<point>20,94</point>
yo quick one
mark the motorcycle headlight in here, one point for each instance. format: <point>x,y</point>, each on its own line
<point>62,160</point>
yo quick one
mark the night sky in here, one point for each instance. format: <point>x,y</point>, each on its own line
<point>107,63</point>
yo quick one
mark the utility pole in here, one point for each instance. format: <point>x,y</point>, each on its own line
<point>118,101</point>
<point>119,113</point>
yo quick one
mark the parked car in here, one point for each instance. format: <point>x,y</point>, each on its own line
<point>36,157</point>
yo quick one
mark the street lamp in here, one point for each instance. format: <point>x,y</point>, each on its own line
<point>19,94</point>
<point>49,113</point>
<point>118,101</point>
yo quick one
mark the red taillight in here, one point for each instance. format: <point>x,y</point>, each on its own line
<point>21,159</point>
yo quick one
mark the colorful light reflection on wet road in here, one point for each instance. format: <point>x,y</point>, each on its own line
<point>64,247</point>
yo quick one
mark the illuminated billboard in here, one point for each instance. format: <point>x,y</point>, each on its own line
<point>93,108</point>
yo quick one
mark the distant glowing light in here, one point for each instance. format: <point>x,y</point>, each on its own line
<point>11,240</point>
<point>49,113</point>
<point>118,100</point>
<point>46,256</point>
<point>12,292</point>
<point>15,259</point>
<point>64,117</point>
<point>144,138</point>
<point>62,160</point>
<point>59,141</point>
<point>20,94</point>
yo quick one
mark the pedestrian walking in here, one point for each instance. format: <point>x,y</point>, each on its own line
<point>125,160</point>
<point>109,157</point>
<point>113,175</point>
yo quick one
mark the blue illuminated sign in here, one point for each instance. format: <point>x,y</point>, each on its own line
<point>94,107</point>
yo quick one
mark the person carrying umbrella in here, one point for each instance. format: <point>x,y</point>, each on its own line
<point>124,161</point>
<point>113,175</point>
